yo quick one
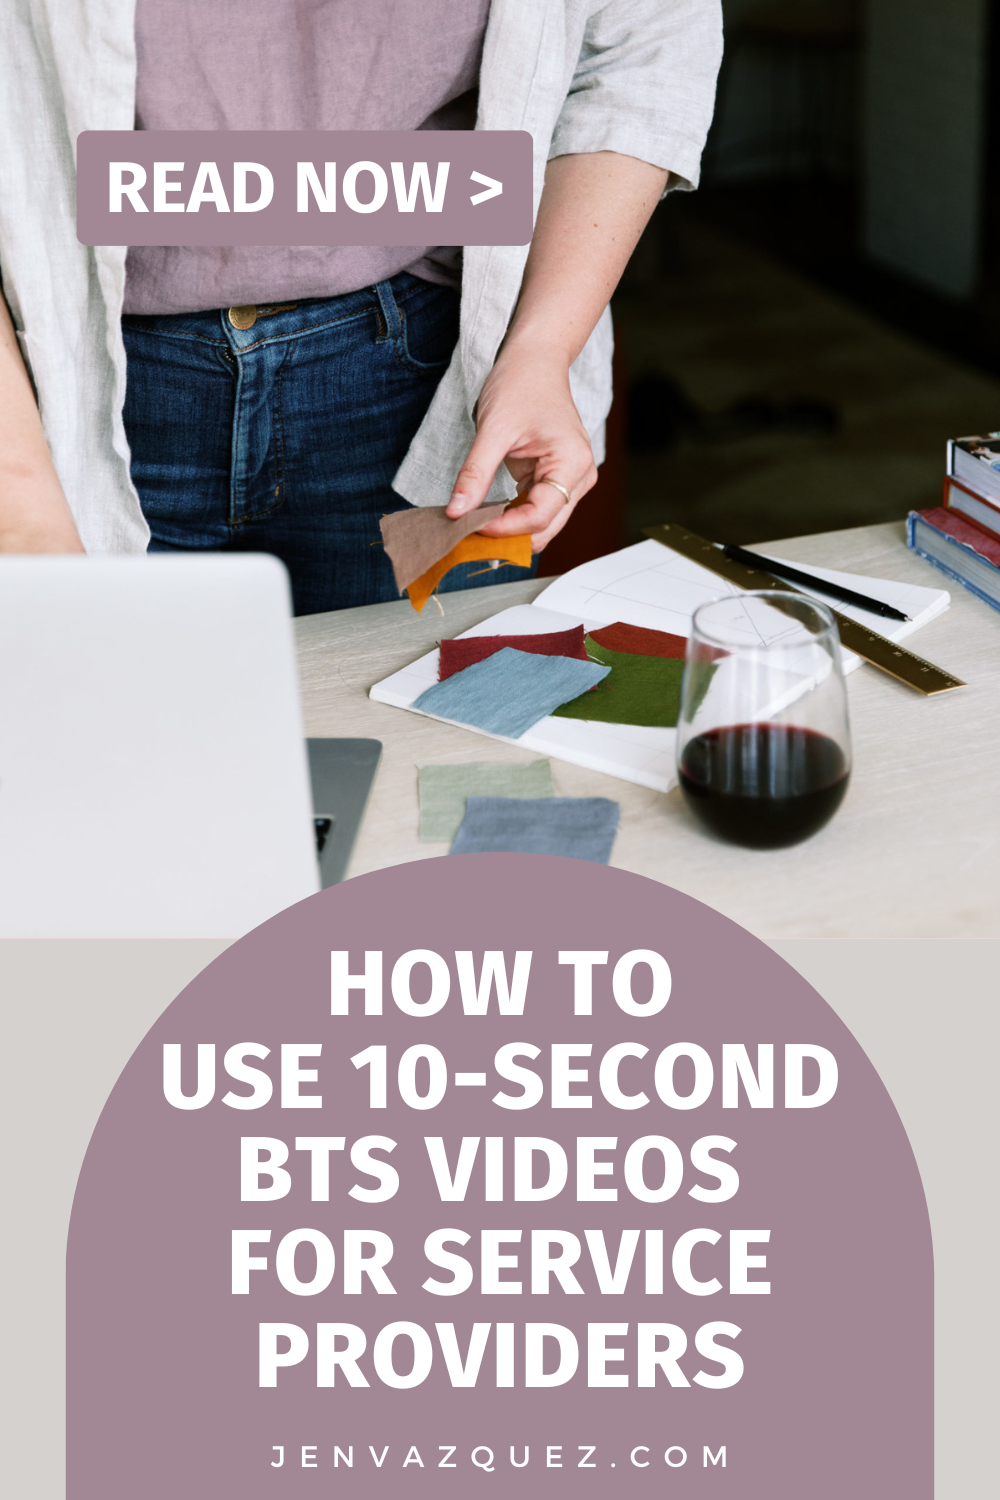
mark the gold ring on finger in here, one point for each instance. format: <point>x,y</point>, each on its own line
<point>557,486</point>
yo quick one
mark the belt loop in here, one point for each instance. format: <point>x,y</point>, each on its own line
<point>390,311</point>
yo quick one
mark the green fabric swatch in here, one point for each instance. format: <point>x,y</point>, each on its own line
<point>638,690</point>
<point>444,789</point>
<point>699,681</point>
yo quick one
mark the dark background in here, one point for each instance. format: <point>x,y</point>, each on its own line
<point>797,340</point>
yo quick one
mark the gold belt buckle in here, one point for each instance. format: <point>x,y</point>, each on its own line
<point>246,317</point>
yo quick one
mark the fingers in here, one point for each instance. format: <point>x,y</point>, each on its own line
<point>540,521</point>
<point>528,514</point>
<point>487,453</point>
<point>541,539</point>
<point>541,507</point>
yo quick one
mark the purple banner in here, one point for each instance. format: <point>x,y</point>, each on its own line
<point>510,1173</point>
<point>304,187</point>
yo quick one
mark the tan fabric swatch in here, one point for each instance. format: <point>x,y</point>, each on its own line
<point>416,539</point>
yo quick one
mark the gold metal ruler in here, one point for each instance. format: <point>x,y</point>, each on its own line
<point>882,653</point>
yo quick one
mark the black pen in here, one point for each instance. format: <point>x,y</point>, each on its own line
<point>820,585</point>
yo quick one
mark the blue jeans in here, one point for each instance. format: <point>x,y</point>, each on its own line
<point>284,437</point>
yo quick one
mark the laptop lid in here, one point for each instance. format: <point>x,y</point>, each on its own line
<point>153,773</point>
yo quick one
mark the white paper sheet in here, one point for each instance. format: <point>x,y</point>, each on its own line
<point>649,585</point>
<point>646,585</point>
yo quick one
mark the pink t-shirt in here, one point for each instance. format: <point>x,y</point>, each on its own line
<point>297,65</point>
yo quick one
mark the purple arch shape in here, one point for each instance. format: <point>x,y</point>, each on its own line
<point>836,1395</point>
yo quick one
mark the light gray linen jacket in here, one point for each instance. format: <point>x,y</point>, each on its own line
<point>634,76</point>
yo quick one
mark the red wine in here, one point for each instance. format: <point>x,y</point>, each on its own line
<point>764,785</point>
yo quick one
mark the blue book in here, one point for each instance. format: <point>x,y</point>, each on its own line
<point>959,548</point>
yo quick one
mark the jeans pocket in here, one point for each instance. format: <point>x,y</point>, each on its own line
<point>423,325</point>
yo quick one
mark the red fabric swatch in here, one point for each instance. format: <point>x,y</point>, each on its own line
<point>457,655</point>
<point>635,640</point>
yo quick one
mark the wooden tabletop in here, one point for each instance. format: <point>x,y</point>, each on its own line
<point>913,852</point>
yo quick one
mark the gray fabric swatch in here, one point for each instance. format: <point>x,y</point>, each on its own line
<point>508,692</point>
<point>416,539</point>
<point>578,827</point>
<point>443,790</point>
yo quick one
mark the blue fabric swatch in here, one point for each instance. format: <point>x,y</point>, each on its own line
<point>508,692</point>
<point>578,827</point>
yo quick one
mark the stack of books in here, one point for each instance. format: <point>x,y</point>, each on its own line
<point>962,536</point>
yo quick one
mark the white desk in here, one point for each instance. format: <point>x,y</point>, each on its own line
<point>914,851</point>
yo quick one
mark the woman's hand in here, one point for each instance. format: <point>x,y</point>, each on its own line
<point>593,208</point>
<point>526,418</point>
<point>34,513</point>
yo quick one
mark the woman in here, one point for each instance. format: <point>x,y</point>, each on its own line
<point>295,434</point>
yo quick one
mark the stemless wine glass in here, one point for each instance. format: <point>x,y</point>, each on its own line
<point>763,742</point>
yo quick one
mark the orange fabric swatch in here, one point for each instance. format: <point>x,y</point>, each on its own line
<point>474,548</point>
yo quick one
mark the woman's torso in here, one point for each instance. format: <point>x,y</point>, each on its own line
<point>297,65</point>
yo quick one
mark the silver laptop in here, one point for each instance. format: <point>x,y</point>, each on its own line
<point>154,780</point>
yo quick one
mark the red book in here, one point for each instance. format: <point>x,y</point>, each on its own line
<point>975,508</point>
<point>962,530</point>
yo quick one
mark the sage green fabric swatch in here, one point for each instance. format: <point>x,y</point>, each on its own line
<point>638,690</point>
<point>444,789</point>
